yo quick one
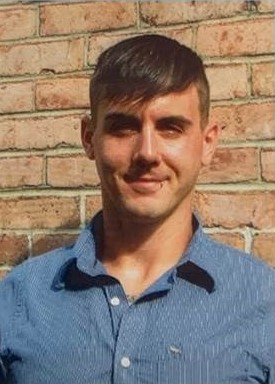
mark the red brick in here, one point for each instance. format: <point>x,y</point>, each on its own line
<point>40,132</point>
<point>235,38</point>
<point>98,43</point>
<point>225,166</point>
<point>235,240</point>
<point>39,212</point>
<point>266,6</point>
<point>93,205</point>
<point>263,246</point>
<point>55,56</point>
<point>268,164</point>
<point>16,97</point>
<point>46,243</point>
<point>62,93</point>
<point>17,23</point>
<point>234,209</point>
<point>21,171</point>
<point>182,35</point>
<point>86,17</point>
<point>164,13</point>
<point>262,79</point>
<point>245,122</point>
<point>3,272</point>
<point>235,84</point>
<point>71,171</point>
<point>14,249</point>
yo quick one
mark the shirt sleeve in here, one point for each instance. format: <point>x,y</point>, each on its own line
<point>270,354</point>
<point>269,333</point>
<point>272,368</point>
<point>9,294</point>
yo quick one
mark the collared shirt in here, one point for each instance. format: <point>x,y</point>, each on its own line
<point>208,320</point>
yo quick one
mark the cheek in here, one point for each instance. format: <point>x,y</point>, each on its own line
<point>185,155</point>
<point>111,158</point>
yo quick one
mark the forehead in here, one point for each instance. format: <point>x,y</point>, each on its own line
<point>183,103</point>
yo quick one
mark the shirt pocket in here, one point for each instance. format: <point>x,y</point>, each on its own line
<point>160,363</point>
<point>173,363</point>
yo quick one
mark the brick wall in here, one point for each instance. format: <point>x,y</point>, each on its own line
<point>47,53</point>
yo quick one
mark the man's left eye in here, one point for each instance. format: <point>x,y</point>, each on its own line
<point>171,129</point>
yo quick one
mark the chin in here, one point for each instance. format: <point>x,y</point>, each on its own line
<point>146,213</point>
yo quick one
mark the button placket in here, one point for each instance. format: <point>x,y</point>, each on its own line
<point>131,328</point>
<point>115,301</point>
<point>125,362</point>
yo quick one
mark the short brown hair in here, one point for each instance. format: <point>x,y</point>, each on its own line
<point>142,67</point>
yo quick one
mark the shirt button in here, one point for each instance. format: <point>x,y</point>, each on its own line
<point>125,362</point>
<point>115,301</point>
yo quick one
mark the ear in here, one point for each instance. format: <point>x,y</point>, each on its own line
<point>87,136</point>
<point>210,140</point>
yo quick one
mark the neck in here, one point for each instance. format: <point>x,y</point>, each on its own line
<point>138,253</point>
<point>142,239</point>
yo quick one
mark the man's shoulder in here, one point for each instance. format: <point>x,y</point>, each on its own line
<point>238,266</point>
<point>234,255</point>
<point>40,270</point>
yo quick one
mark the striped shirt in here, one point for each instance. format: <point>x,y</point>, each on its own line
<point>208,320</point>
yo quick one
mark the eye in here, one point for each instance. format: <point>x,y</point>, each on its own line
<point>173,127</point>
<point>120,126</point>
<point>120,129</point>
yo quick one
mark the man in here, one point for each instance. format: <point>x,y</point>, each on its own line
<point>143,296</point>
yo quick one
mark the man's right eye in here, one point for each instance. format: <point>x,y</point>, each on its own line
<point>120,129</point>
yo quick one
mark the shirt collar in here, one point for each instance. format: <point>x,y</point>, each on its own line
<point>84,270</point>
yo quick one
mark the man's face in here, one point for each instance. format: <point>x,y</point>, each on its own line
<point>149,155</point>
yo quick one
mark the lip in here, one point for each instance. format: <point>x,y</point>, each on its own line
<point>146,185</point>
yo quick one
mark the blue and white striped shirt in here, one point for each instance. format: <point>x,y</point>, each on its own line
<point>209,320</point>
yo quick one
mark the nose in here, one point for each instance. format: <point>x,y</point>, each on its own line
<point>146,148</point>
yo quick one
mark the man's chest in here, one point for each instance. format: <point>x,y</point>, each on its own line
<point>98,338</point>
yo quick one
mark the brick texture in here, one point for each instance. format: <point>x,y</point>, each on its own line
<point>17,23</point>
<point>98,43</point>
<point>93,205</point>
<point>40,132</point>
<point>245,122</point>
<point>16,97</point>
<point>48,50</point>
<point>21,171</point>
<point>66,19</point>
<point>268,164</point>
<point>235,85</point>
<point>235,240</point>
<point>264,247</point>
<point>39,212</point>
<point>235,39</point>
<point>165,13</point>
<point>237,209</point>
<point>46,243</point>
<point>71,171</point>
<point>14,248</point>
<point>263,79</point>
<point>225,166</point>
<point>62,93</point>
<point>3,272</point>
<point>56,56</point>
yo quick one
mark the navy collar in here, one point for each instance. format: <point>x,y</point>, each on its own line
<point>72,278</point>
<point>191,272</point>
<point>85,271</point>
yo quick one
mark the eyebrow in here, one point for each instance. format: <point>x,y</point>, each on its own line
<point>173,119</point>
<point>176,120</point>
<point>121,116</point>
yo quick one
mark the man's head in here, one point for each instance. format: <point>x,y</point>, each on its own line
<point>149,136</point>
<point>142,67</point>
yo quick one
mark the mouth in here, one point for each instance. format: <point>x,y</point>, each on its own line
<point>145,185</point>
